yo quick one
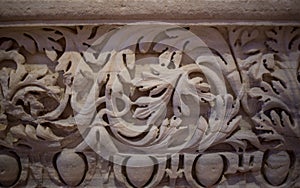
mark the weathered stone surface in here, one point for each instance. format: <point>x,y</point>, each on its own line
<point>276,167</point>
<point>71,167</point>
<point>212,102</point>
<point>209,169</point>
<point>9,170</point>
<point>139,170</point>
<point>80,11</point>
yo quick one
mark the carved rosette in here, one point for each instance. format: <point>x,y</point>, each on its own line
<point>149,104</point>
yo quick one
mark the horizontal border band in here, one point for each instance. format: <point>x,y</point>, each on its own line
<point>48,11</point>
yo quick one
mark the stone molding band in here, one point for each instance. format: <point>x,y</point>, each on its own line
<point>25,11</point>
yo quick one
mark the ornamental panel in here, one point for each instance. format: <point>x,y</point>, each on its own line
<point>150,104</point>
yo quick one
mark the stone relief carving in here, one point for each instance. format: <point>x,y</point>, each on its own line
<point>150,105</point>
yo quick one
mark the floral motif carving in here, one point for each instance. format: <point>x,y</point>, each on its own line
<point>149,105</point>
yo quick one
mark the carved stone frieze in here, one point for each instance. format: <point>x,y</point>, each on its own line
<point>150,105</point>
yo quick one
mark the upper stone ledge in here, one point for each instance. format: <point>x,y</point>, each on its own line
<point>45,11</point>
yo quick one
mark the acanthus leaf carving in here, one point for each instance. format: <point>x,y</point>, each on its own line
<point>153,98</point>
